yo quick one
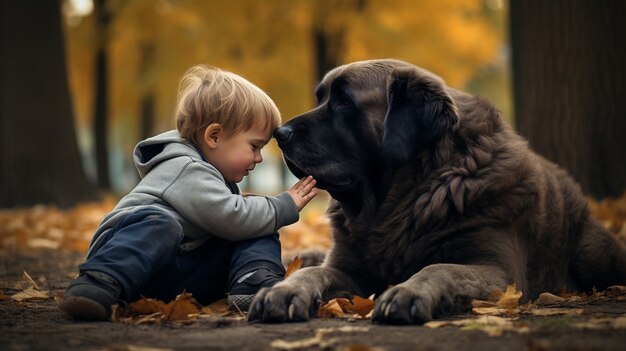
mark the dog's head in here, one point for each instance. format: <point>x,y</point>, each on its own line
<point>370,116</point>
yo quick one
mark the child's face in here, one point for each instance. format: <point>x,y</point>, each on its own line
<point>238,154</point>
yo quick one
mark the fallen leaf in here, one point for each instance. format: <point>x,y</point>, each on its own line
<point>184,307</point>
<point>556,311</point>
<point>320,340</point>
<point>219,308</point>
<point>4,297</point>
<point>549,299</point>
<point>603,323</point>
<point>357,305</point>
<point>146,306</point>
<point>494,311</point>
<point>499,302</point>
<point>619,322</point>
<point>510,298</point>
<point>297,344</point>
<point>30,294</point>
<point>616,290</point>
<point>330,309</point>
<point>491,325</point>
<point>293,266</point>
<point>147,310</point>
<point>30,281</point>
<point>153,318</point>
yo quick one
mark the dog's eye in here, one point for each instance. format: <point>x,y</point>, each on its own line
<point>343,100</point>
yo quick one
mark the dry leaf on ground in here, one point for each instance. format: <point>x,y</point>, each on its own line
<point>356,307</point>
<point>492,325</point>
<point>499,302</point>
<point>219,308</point>
<point>556,311</point>
<point>331,309</point>
<point>32,292</point>
<point>293,266</point>
<point>549,299</point>
<point>147,310</point>
<point>320,340</point>
<point>603,323</point>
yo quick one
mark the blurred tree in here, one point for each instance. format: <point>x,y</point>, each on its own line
<point>101,90</point>
<point>569,74</point>
<point>39,156</point>
<point>283,46</point>
<point>329,28</point>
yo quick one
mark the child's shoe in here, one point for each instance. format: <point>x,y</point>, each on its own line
<point>243,290</point>
<point>90,296</point>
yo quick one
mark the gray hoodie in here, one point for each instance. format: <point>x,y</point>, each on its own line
<point>175,178</point>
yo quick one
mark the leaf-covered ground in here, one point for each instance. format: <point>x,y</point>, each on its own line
<point>41,247</point>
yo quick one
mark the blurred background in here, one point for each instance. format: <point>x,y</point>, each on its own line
<point>82,81</point>
<point>283,46</point>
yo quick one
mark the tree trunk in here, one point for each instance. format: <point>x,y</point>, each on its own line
<point>329,35</point>
<point>39,157</point>
<point>569,86</point>
<point>101,108</point>
<point>328,49</point>
<point>147,92</point>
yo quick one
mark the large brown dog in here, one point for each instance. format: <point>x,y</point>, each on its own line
<point>434,195</point>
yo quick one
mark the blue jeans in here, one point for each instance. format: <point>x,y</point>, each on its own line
<point>141,252</point>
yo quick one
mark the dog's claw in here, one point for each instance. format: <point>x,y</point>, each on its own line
<point>290,311</point>
<point>388,310</point>
<point>413,311</point>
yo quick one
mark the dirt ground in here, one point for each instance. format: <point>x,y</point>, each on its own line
<point>40,325</point>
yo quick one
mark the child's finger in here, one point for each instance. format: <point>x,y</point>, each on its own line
<point>308,187</point>
<point>303,182</point>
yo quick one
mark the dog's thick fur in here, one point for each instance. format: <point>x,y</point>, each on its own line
<point>435,197</point>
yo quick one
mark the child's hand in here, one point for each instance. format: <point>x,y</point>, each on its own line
<point>303,191</point>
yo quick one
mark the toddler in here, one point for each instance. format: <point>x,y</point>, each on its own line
<point>186,226</point>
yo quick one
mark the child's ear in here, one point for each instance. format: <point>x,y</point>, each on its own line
<point>212,135</point>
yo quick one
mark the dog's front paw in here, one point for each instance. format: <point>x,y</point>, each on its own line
<point>283,303</point>
<point>402,305</point>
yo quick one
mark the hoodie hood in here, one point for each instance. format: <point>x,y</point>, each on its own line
<point>152,151</point>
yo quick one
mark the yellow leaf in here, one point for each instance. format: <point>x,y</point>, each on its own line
<point>499,302</point>
<point>510,298</point>
<point>30,294</point>
<point>293,266</point>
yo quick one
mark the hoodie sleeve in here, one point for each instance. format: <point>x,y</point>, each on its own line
<point>200,194</point>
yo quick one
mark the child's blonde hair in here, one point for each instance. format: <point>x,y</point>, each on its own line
<point>209,95</point>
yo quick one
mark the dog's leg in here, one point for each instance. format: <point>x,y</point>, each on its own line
<point>297,298</point>
<point>437,287</point>
<point>600,259</point>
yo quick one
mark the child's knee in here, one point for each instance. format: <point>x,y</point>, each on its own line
<point>162,222</point>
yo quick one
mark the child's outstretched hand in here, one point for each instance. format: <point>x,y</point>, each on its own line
<point>303,191</point>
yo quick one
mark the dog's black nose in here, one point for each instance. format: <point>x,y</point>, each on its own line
<point>283,133</point>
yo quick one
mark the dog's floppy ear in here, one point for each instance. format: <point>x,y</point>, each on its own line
<point>420,112</point>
